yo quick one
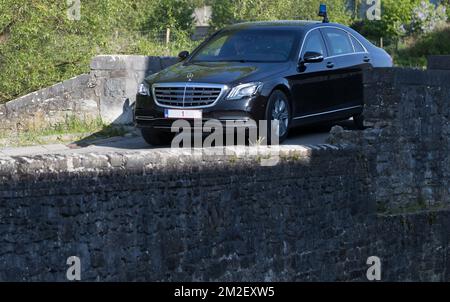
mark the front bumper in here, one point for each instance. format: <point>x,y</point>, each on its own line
<point>230,113</point>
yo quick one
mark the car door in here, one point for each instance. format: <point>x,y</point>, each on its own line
<point>363,61</point>
<point>310,85</point>
<point>345,68</point>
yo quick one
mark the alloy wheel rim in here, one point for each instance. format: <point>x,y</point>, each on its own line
<point>280,113</point>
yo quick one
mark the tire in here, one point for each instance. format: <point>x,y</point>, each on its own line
<point>156,137</point>
<point>278,108</point>
<point>358,120</point>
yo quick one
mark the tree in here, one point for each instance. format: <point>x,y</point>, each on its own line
<point>40,45</point>
<point>446,4</point>
<point>427,17</point>
<point>228,12</point>
<point>402,18</point>
<point>173,14</point>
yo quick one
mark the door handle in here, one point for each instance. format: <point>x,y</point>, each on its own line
<point>330,65</point>
<point>366,59</point>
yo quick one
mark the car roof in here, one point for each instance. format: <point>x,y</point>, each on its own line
<point>284,24</point>
<point>274,24</point>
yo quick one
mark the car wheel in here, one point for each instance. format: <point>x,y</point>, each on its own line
<point>359,121</point>
<point>156,137</point>
<point>278,109</point>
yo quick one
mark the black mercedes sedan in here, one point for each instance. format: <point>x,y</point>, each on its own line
<point>294,72</point>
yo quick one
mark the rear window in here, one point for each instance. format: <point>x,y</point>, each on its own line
<point>357,44</point>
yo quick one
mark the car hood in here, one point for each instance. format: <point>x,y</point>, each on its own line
<point>218,72</point>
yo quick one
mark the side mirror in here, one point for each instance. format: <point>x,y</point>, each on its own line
<point>183,55</point>
<point>312,57</point>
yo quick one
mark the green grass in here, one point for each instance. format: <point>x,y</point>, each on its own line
<point>73,124</point>
<point>70,130</point>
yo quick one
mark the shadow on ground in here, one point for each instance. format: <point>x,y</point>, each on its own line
<point>307,135</point>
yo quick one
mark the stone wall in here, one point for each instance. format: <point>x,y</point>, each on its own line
<point>108,91</point>
<point>177,216</point>
<point>73,97</point>
<point>439,62</point>
<point>180,216</point>
<point>408,140</point>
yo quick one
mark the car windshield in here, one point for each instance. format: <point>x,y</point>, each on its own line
<point>250,45</point>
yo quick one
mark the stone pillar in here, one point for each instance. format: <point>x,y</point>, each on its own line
<point>117,78</point>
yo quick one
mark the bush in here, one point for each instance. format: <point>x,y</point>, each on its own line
<point>173,14</point>
<point>446,4</point>
<point>404,22</point>
<point>396,15</point>
<point>435,43</point>
<point>232,11</point>
<point>426,17</point>
<point>40,46</point>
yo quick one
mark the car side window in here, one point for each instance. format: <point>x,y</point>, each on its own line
<point>339,41</point>
<point>357,45</point>
<point>314,43</point>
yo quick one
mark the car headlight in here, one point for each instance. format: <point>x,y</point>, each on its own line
<point>244,90</point>
<point>144,89</point>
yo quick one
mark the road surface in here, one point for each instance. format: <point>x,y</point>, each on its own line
<point>301,136</point>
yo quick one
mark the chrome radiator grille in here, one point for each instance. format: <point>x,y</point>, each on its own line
<point>186,95</point>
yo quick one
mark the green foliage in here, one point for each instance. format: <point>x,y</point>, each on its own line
<point>402,18</point>
<point>415,53</point>
<point>228,12</point>
<point>173,14</point>
<point>426,17</point>
<point>446,4</point>
<point>32,33</point>
<point>396,15</point>
<point>40,46</point>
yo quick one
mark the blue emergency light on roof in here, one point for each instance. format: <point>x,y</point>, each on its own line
<point>323,13</point>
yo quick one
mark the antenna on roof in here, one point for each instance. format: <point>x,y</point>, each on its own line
<point>323,13</point>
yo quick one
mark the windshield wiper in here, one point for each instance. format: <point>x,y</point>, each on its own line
<point>221,61</point>
<point>240,61</point>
